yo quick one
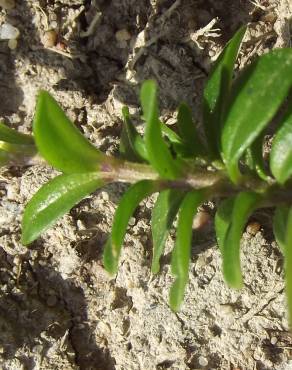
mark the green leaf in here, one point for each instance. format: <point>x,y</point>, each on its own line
<point>163,215</point>
<point>257,95</point>
<point>172,136</point>
<point>182,249</point>
<point>135,141</point>
<point>217,91</point>
<point>255,160</point>
<point>188,131</point>
<point>11,136</point>
<point>128,203</point>
<point>288,264</point>
<point>281,152</point>
<point>223,219</point>
<point>243,205</point>
<point>280,225</point>
<point>60,142</point>
<point>53,200</point>
<point>159,155</point>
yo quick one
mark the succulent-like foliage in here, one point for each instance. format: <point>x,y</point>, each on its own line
<point>186,169</point>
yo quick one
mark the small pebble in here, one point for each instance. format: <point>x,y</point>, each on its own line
<point>274,340</point>
<point>253,228</point>
<point>49,39</point>
<point>7,4</point>
<point>12,44</point>
<point>201,219</point>
<point>8,32</point>
<point>203,361</point>
<point>123,35</point>
<point>132,221</point>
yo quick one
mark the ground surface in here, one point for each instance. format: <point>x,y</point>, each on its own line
<point>58,307</point>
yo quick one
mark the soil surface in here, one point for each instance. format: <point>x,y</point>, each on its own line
<point>58,307</point>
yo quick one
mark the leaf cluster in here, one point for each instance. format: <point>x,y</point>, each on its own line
<point>225,163</point>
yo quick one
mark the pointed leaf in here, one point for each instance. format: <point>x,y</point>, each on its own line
<point>53,200</point>
<point>135,141</point>
<point>243,206</point>
<point>281,152</point>
<point>257,95</point>
<point>11,136</point>
<point>288,264</point>
<point>223,220</point>
<point>128,203</point>
<point>60,142</point>
<point>280,225</point>
<point>163,215</point>
<point>159,155</point>
<point>188,131</point>
<point>217,90</point>
<point>182,250</point>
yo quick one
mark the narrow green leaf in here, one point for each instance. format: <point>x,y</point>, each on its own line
<point>182,250</point>
<point>254,157</point>
<point>243,206</point>
<point>172,136</point>
<point>223,219</point>
<point>11,136</point>
<point>53,200</point>
<point>188,131</point>
<point>217,91</point>
<point>159,155</point>
<point>281,152</point>
<point>256,96</point>
<point>135,141</point>
<point>128,203</point>
<point>163,215</point>
<point>280,226</point>
<point>60,142</point>
<point>288,264</point>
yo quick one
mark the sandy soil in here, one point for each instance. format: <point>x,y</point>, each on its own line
<point>58,307</point>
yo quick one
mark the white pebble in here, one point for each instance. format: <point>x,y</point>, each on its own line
<point>274,340</point>
<point>12,44</point>
<point>203,361</point>
<point>8,32</point>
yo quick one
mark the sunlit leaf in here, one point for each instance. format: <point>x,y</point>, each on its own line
<point>163,215</point>
<point>127,205</point>
<point>223,219</point>
<point>256,96</point>
<point>217,90</point>
<point>182,250</point>
<point>134,139</point>
<point>243,205</point>
<point>280,225</point>
<point>53,200</point>
<point>281,152</point>
<point>14,137</point>
<point>158,152</point>
<point>60,142</point>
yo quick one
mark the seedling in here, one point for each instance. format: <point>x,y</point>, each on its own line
<point>225,165</point>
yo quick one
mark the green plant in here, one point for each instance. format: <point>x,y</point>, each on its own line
<point>226,165</point>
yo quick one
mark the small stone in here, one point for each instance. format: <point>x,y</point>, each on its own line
<point>49,39</point>
<point>274,340</point>
<point>201,219</point>
<point>202,361</point>
<point>104,196</point>
<point>7,4</point>
<point>8,32</point>
<point>12,44</point>
<point>253,228</point>
<point>132,221</point>
<point>123,35</point>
